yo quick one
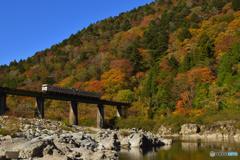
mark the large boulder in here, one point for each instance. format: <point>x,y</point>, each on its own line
<point>165,130</point>
<point>220,129</point>
<point>137,140</point>
<point>34,147</point>
<point>109,143</point>
<point>125,142</point>
<point>189,129</point>
<point>31,148</point>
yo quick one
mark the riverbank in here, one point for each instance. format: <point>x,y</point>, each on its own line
<point>45,139</point>
<point>174,122</point>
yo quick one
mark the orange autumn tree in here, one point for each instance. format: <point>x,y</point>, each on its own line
<point>117,78</point>
<point>187,84</point>
<point>94,86</point>
<point>184,106</point>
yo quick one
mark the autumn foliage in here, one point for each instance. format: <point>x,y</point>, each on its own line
<point>163,58</point>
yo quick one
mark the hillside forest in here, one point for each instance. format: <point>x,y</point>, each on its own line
<point>175,61</point>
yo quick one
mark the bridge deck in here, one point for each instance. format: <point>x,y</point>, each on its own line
<point>60,96</point>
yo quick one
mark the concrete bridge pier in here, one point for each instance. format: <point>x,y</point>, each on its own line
<point>39,106</point>
<point>73,116</point>
<point>119,111</point>
<point>100,116</point>
<point>2,103</point>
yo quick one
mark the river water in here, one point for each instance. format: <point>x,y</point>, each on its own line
<point>184,149</point>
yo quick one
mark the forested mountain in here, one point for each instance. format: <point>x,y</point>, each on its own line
<point>166,58</point>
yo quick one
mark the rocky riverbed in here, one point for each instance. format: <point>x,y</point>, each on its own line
<point>220,129</point>
<point>49,140</point>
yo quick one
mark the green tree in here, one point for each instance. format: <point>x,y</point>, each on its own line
<point>136,59</point>
<point>132,53</point>
<point>184,34</point>
<point>195,18</point>
<point>117,25</point>
<point>204,5</point>
<point>206,47</point>
<point>219,4</point>
<point>185,65</point>
<point>48,80</point>
<point>150,84</point>
<point>21,69</point>
<point>173,63</point>
<point>201,95</point>
<point>236,5</point>
<point>126,25</point>
<point>228,60</point>
<point>195,26</point>
<point>83,57</point>
<point>161,2</point>
<point>125,96</point>
<point>169,2</point>
<point>148,36</point>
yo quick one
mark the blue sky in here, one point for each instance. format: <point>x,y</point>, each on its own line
<point>28,26</point>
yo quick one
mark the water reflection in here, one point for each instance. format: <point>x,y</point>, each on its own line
<point>190,146</point>
<point>140,153</point>
<point>183,148</point>
<point>217,144</point>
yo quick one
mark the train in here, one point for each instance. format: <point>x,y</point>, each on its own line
<point>57,89</point>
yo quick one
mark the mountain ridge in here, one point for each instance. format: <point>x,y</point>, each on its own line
<point>167,57</point>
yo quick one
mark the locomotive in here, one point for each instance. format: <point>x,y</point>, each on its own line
<point>51,88</point>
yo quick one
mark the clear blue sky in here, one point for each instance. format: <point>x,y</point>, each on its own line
<point>28,26</point>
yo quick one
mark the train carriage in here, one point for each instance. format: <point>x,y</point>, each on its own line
<point>51,88</point>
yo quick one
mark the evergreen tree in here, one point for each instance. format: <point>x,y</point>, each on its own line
<point>195,26</point>
<point>161,2</point>
<point>150,84</point>
<point>236,5</point>
<point>219,4</point>
<point>137,41</point>
<point>132,53</point>
<point>169,2</point>
<point>173,63</point>
<point>228,60</point>
<point>204,5</point>
<point>195,18</point>
<point>185,65</point>
<point>21,69</point>
<point>192,58</point>
<point>158,47</point>
<point>206,47</point>
<point>126,25</point>
<point>164,21</point>
<point>184,33</point>
<point>136,59</point>
<point>148,36</point>
<point>83,57</point>
<point>117,25</point>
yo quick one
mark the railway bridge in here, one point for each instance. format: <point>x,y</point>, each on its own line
<point>74,99</point>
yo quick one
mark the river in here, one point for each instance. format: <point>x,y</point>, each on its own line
<point>184,149</point>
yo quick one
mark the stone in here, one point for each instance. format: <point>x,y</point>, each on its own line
<point>188,129</point>
<point>7,137</point>
<point>166,141</point>
<point>109,143</point>
<point>125,142</point>
<point>2,157</point>
<point>57,157</point>
<point>11,154</point>
<point>88,143</point>
<point>137,140</point>
<point>165,130</point>
<point>32,148</point>
<point>48,150</point>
